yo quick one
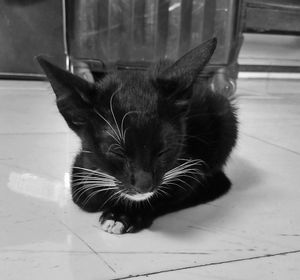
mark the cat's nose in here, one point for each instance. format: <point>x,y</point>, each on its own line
<point>142,181</point>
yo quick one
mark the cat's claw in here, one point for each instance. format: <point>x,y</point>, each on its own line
<point>113,223</point>
<point>112,226</point>
<point>119,223</point>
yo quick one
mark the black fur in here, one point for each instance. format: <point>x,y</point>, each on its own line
<point>174,120</point>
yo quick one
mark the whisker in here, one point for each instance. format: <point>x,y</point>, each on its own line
<point>100,185</point>
<point>82,191</point>
<point>161,191</point>
<point>110,198</point>
<point>118,193</point>
<point>188,169</point>
<point>112,136</point>
<point>174,173</point>
<point>93,178</point>
<point>116,145</point>
<point>192,177</point>
<point>184,182</point>
<point>91,187</point>
<point>93,194</point>
<point>113,114</point>
<point>186,173</point>
<point>100,182</point>
<point>122,123</point>
<point>94,171</point>
<point>93,175</point>
<point>177,185</point>
<point>116,137</point>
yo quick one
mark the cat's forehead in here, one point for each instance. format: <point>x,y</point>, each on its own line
<point>129,90</point>
<point>136,89</point>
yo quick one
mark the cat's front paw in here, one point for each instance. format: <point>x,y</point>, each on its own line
<point>119,223</point>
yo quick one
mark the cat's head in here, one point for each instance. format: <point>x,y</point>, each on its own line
<point>131,123</point>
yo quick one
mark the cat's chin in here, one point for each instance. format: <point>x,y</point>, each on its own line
<point>138,196</point>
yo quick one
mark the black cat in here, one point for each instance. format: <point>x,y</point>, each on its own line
<point>152,141</point>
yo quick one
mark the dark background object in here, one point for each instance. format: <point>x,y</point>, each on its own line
<point>29,28</point>
<point>271,16</point>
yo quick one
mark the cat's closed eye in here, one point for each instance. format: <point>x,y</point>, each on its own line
<point>163,152</point>
<point>117,153</point>
<point>112,150</point>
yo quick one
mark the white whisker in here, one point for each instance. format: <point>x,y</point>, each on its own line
<point>82,191</point>
<point>93,194</point>
<point>190,168</point>
<point>100,185</point>
<point>123,133</point>
<point>117,136</point>
<point>116,139</point>
<point>90,187</point>
<point>95,172</point>
<point>110,198</point>
<point>161,191</point>
<point>113,114</point>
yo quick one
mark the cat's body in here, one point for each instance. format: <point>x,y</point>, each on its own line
<point>152,141</point>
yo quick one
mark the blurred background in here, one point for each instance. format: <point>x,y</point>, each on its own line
<point>254,37</point>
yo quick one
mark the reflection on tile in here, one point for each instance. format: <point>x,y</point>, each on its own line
<point>37,187</point>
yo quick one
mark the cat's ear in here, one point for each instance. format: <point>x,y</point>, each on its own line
<point>176,80</point>
<point>74,95</point>
<point>186,69</point>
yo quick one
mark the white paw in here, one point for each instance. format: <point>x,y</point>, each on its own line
<point>112,226</point>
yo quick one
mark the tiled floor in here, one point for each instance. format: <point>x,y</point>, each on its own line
<point>251,233</point>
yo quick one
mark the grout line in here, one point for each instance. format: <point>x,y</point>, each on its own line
<point>208,264</point>
<point>82,240</point>
<point>272,144</point>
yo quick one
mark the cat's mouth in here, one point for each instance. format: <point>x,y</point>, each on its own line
<point>138,196</point>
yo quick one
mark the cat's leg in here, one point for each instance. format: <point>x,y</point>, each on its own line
<point>122,218</point>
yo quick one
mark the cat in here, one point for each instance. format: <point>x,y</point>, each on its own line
<point>153,141</point>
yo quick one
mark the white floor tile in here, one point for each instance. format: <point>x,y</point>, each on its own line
<point>252,220</point>
<point>53,265</point>
<point>29,107</point>
<point>274,267</point>
<point>44,234</point>
<point>274,118</point>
